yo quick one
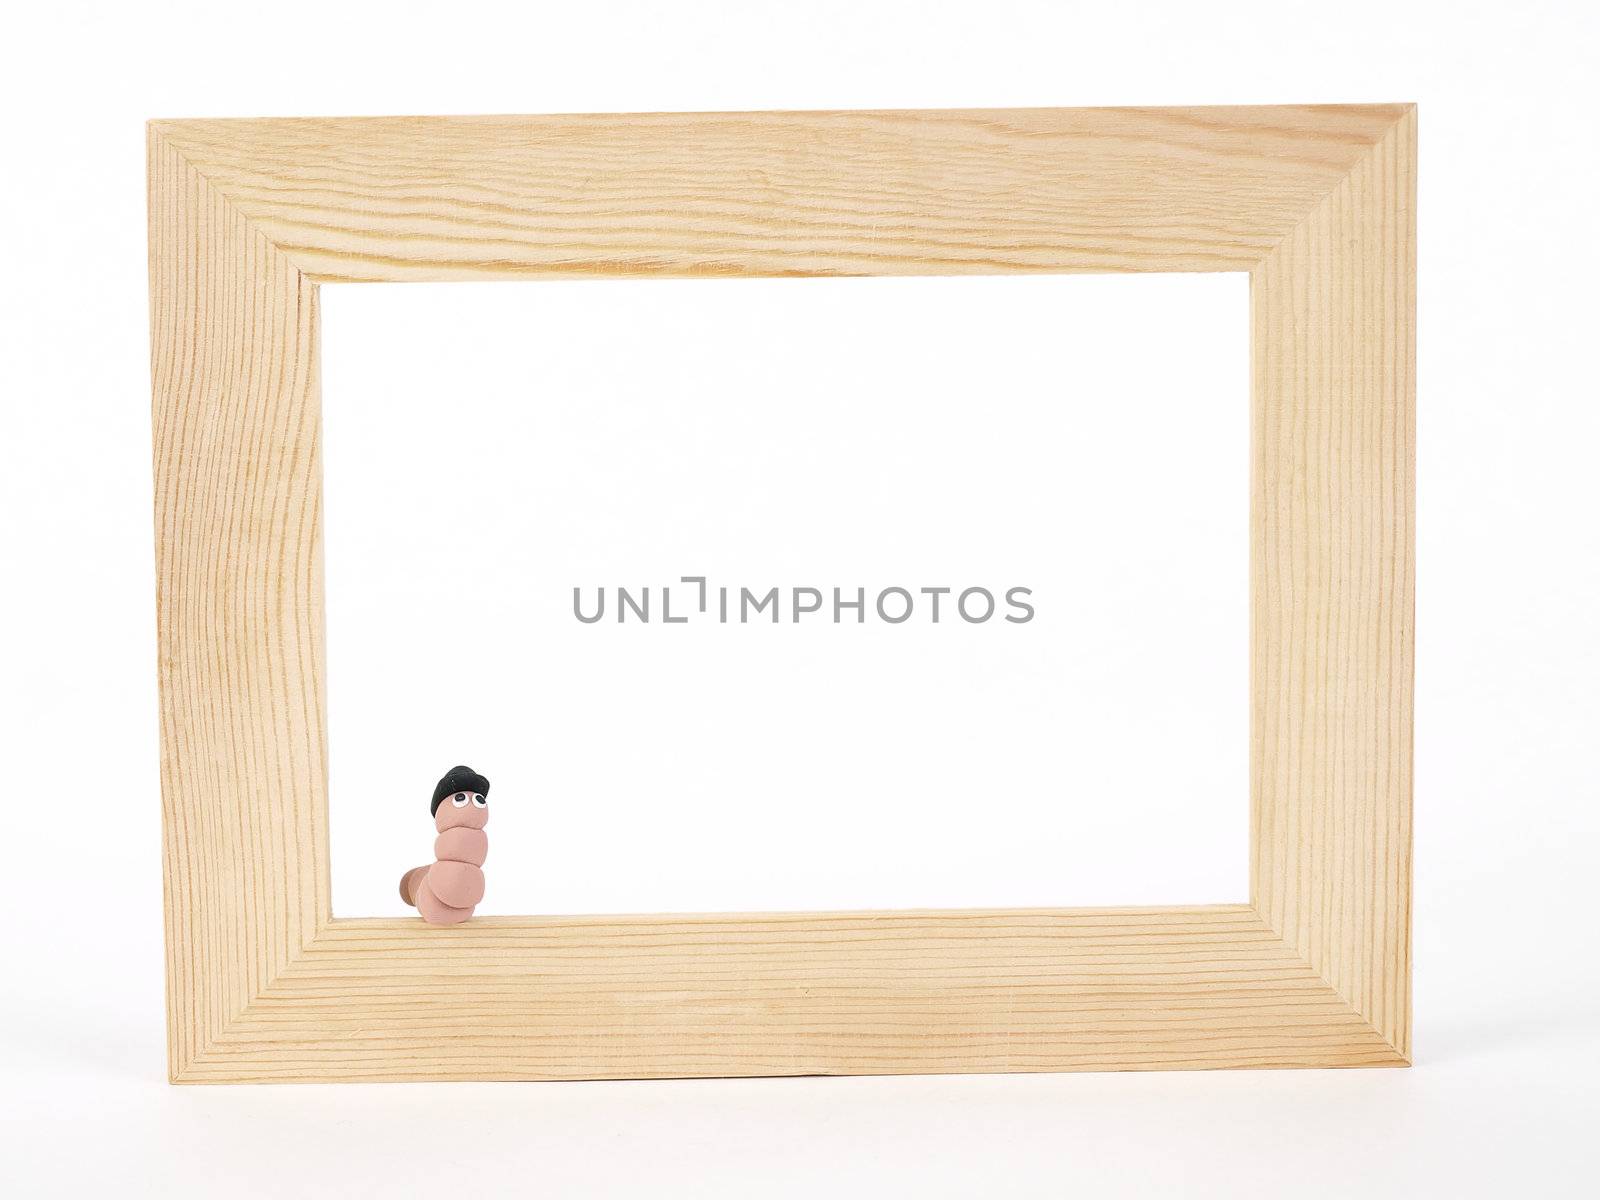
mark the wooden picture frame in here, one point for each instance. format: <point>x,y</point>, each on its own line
<point>249,217</point>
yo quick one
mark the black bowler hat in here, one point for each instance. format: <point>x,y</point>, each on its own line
<point>458,779</point>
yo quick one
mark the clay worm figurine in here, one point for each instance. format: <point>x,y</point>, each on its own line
<point>446,890</point>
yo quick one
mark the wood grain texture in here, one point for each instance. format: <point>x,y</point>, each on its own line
<point>799,994</point>
<point>1332,595</point>
<point>238,480</point>
<point>248,217</point>
<point>804,193</point>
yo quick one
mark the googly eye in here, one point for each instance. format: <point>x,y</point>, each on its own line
<point>479,801</point>
<point>459,799</point>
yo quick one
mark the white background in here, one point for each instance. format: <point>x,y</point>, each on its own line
<point>1502,1096</point>
<point>488,448</point>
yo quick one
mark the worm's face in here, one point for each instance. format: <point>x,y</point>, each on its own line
<point>461,810</point>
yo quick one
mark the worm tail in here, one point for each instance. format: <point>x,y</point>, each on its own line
<point>408,884</point>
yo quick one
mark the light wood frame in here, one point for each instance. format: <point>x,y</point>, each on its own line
<point>249,217</point>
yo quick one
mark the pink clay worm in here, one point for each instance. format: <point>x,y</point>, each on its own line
<point>447,890</point>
